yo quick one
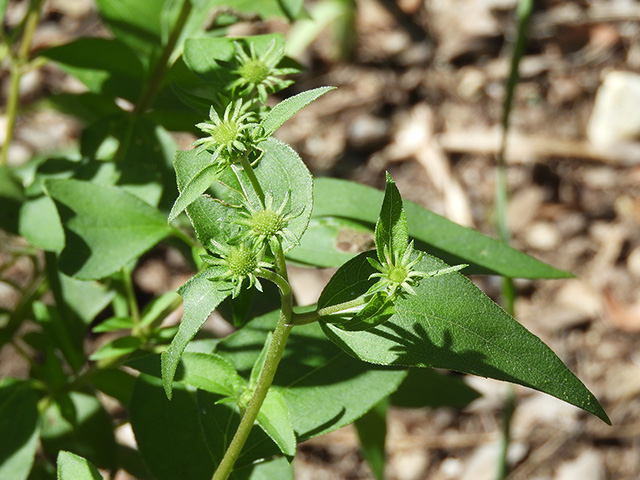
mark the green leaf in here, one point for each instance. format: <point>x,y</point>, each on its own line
<point>58,333</point>
<point>425,387</point>
<point>264,8</point>
<point>3,7</point>
<point>173,447</point>
<point>451,324</point>
<point>372,432</point>
<point>106,66</point>
<point>293,8</point>
<point>324,388</point>
<point>280,170</point>
<point>207,371</point>
<point>193,435</point>
<point>87,107</point>
<point>137,24</point>
<point>144,165</point>
<point>209,58</point>
<point>117,348</point>
<point>19,427</point>
<point>331,241</point>
<point>115,383</point>
<point>11,198</point>
<point>40,224</point>
<point>201,297</point>
<point>197,184</point>
<point>446,240</point>
<point>391,232</point>
<point>286,109</point>
<point>273,418</point>
<point>206,58</point>
<point>105,227</point>
<point>74,467</point>
<point>204,208</point>
<point>158,308</point>
<point>77,422</point>
<point>113,324</point>
<point>83,299</point>
<point>378,310</point>
<point>212,373</point>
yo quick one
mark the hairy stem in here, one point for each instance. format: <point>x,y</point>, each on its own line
<point>17,69</point>
<point>310,317</point>
<point>274,355</point>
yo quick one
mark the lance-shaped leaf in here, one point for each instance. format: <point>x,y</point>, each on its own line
<point>207,371</point>
<point>392,233</point>
<point>105,227</point>
<point>286,109</point>
<point>201,296</point>
<point>449,323</point>
<point>447,240</point>
<point>273,418</point>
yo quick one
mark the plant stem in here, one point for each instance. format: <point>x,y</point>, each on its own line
<point>155,80</point>
<point>274,355</point>
<point>131,297</point>
<point>246,166</point>
<point>17,64</point>
<point>524,10</point>
<point>310,317</point>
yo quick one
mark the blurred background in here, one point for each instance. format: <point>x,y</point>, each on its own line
<point>421,86</point>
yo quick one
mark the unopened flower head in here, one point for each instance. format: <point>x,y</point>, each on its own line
<point>226,134</point>
<point>397,275</point>
<point>268,223</point>
<point>241,262</point>
<point>396,272</point>
<point>260,72</point>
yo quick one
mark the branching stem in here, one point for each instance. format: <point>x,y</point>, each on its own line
<point>274,355</point>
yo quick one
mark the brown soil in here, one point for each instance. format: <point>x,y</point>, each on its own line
<point>428,110</point>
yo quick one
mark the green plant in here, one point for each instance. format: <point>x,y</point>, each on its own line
<point>234,406</point>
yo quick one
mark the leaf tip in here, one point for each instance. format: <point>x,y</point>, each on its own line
<point>168,371</point>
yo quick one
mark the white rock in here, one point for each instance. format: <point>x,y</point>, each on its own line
<point>543,236</point>
<point>539,409</point>
<point>588,466</point>
<point>410,465</point>
<point>616,113</point>
<point>484,460</point>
